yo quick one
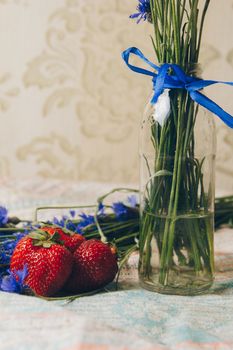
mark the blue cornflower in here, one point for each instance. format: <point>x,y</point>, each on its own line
<point>66,223</point>
<point>3,216</point>
<point>14,282</point>
<point>57,222</point>
<point>72,227</point>
<point>132,201</point>
<point>62,222</point>
<point>144,11</point>
<point>120,209</point>
<point>126,210</point>
<point>101,208</point>
<point>86,221</point>
<point>8,246</point>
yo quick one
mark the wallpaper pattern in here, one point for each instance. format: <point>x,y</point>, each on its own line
<point>69,107</point>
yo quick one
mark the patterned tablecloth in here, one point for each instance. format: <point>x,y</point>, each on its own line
<point>129,318</point>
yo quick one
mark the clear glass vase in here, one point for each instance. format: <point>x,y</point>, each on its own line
<point>177,166</point>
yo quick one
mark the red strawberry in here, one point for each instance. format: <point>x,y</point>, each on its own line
<point>95,265</point>
<point>48,264</point>
<point>70,241</point>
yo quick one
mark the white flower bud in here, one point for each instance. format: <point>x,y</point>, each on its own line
<point>162,108</point>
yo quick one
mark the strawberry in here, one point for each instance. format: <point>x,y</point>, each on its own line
<point>70,240</point>
<point>48,263</point>
<point>95,265</point>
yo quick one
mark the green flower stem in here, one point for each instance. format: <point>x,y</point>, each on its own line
<point>176,31</point>
<point>207,2</point>
<point>125,237</point>
<point>119,190</point>
<point>168,236</point>
<point>55,207</point>
<point>11,229</point>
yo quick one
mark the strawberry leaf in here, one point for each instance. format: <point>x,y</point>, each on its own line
<point>37,235</point>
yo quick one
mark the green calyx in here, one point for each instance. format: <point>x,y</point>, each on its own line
<point>43,239</point>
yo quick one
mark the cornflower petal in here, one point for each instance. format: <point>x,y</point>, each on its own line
<point>119,209</point>
<point>3,216</point>
<point>14,282</point>
<point>133,201</point>
<point>72,213</point>
<point>101,208</point>
<point>86,220</point>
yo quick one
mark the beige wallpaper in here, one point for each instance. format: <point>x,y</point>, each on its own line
<point>68,106</point>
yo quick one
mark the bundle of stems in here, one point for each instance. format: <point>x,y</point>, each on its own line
<point>176,186</point>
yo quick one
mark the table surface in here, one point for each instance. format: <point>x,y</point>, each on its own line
<point>127,318</point>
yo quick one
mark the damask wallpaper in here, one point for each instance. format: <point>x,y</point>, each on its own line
<point>69,107</point>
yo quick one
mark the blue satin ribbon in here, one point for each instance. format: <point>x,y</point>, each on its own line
<point>179,80</point>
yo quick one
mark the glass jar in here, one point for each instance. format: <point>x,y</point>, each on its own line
<point>177,186</point>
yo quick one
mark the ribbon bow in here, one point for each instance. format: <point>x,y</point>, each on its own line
<point>179,80</point>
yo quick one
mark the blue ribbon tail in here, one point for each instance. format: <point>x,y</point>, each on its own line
<point>213,107</point>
